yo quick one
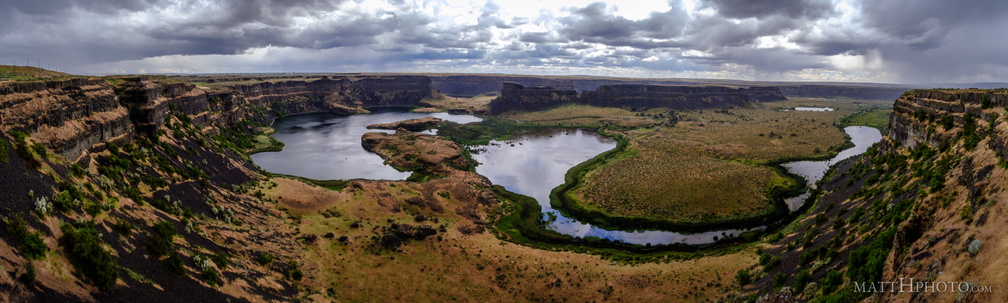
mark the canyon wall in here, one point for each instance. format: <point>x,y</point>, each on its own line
<point>632,96</point>
<point>937,116</point>
<point>68,116</point>
<point>844,91</point>
<point>472,85</point>
<point>76,115</point>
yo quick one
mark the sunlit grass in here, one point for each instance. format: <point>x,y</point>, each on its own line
<point>584,115</point>
<point>712,166</point>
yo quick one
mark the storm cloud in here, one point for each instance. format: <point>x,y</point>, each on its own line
<point>827,40</point>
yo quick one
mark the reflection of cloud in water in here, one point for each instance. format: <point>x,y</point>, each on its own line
<point>327,146</point>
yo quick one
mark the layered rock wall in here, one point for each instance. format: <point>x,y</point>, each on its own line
<point>678,97</point>
<point>76,115</point>
<point>922,115</point>
<point>845,91</point>
<point>68,116</point>
<point>634,96</point>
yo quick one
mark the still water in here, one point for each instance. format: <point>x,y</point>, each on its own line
<point>327,146</point>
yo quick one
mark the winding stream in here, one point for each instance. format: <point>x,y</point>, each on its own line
<point>327,146</point>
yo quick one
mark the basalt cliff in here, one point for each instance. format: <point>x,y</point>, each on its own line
<point>516,97</point>
<point>125,188</point>
<point>923,208</point>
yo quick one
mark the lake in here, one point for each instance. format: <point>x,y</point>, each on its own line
<point>327,146</point>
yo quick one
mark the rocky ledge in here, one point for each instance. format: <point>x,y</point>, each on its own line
<point>410,125</point>
<point>428,155</point>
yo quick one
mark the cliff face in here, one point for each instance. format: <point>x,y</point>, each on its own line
<point>678,97</point>
<point>938,116</point>
<point>847,91</point>
<point>68,116</point>
<point>472,85</point>
<point>76,115</point>
<point>517,97</point>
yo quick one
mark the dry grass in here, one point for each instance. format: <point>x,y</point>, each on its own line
<point>477,103</point>
<point>710,165</point>
<point>584,115</point>
<point>676,183</point>
<point>472,267</point>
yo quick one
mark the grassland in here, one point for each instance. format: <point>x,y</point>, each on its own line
<point>712,166</point>
<point>584,116</point>
<point>473,104</point>
<point>469,266</point>
<point>27,73</point>
<point>875,117</point>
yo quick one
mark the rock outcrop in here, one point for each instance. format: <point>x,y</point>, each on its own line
<point>67,116</point>
<point>518,97</point>
<point>937,116</point>
<point>632,96</point>
<point>76,115</point>
<point>472,85</point>
<point>678,97</point>
<point>845,91</point>
<point>410,125</point>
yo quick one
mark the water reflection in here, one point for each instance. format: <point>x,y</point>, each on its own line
<point>327,146</point>
<point>862,136</point>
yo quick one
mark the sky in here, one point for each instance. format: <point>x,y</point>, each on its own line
<point>890,41</point>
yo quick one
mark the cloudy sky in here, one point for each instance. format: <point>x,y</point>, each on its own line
<point>897,41</point>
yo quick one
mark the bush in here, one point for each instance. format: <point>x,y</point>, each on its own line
<point>123,227</point>
<point>173,264</point>
<point>743,277</point>
<point>778,280</point>
<point>3,151</point>
<point>769,261</point>
<point>801,279</point>
<point>211,276</point>
<point>29,243</point>
<point>85,250</point>
<point>830,283</point>
<point>220,258</point>
<point>264,258</point>
<point>160,240</point>
<point>865,264</point>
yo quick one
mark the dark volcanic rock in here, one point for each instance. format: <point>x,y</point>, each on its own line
<point>678,97</point>
<point>518,97</point>
<point>633,96</point>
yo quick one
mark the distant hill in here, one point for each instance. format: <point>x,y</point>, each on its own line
<point>20,73</point>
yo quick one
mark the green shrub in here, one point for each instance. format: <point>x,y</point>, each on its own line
<point>264,258</point>
<point>85,250</point>
<point>3,151</point>
<point>29,274</point>
<point>123,227</point>
<point>160,240</point>
<point>801,279</point>
<point>743,277</point>
<point>865,264</point>
<point>211,276</point>
<point>220,258</point>
<point>39,150</point>
<point>778,280</point>
<point>28,243</point>
<point>173,264</point>
<point>830,282</point>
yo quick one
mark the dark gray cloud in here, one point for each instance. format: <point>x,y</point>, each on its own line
<point>594,24</point>
<point>794,9</point>
<point>890,40</point>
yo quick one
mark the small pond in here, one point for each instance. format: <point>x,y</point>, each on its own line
<point>813,109</point>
